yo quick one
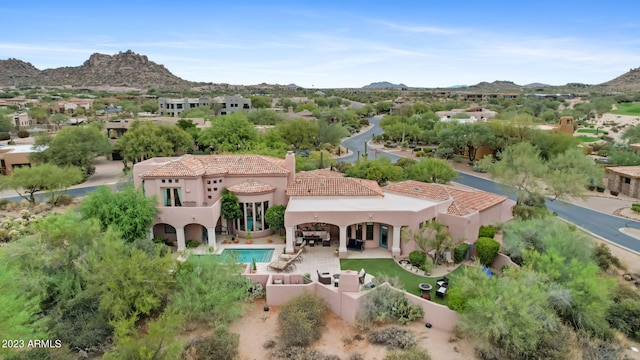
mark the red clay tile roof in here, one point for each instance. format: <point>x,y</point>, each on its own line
<point>207,165</point>
<point>320,173</point>
<point>475,199</point>
<point>420,190</point>
<point>465,200</point>
<point>252,187</point>
<point>333,186</point>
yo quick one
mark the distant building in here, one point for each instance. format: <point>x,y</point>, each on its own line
<point>21,120</point>
<point>73,104</point>
<point>14,156</point>
<point>625,179</point>
<point>566,125</point>
<point>231,104</point>
<point>173,107</point>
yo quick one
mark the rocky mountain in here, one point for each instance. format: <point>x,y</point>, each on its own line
<point>127,69</point>
<point>629,81</point>
<point>536,85</point>
<point>13,71</point>
<point>384,85</point>
<point>496,86</point>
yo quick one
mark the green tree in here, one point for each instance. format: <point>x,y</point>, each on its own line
<point>59,120</point>
<point>6,124</point>
<point>381,170</point>
<point>260,102</point>
<point>264,117</point>
<point>631,135</point>
<point>331,133</point>
<point>145,140</point>
<point>150,106</point>
<point>274,217</point>
<point>229,133</point>
<point>73,146</point>
<point>300,133</point>
<point>129,211</point>
<point>26,181</point>
<point>38,113</point>
<point>229,207</point>
<point>430,170</point>
<point>432,235</point>
<point>129,281</point>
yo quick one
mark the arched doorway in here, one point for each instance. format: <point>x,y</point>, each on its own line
<point>196,232</point>
<point>167,233</point>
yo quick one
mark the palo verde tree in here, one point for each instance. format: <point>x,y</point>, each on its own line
<point>145,140</point>
<point>430,170</point>
<point>129,211</point>
<point>27,181</point>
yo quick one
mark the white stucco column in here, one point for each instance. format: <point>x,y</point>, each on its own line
<point>290,236</point>
<point>211,237</point>
<point>150,233</point>
<point>342,250</point>
<point>180,237</point>
<point>395,242</point>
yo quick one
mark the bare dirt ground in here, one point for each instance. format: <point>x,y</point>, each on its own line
<point>257,327</point>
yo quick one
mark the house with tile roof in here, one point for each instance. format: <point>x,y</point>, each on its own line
<point>624,179</point>
<point>189,192</point>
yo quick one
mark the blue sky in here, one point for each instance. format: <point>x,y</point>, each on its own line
<point>331,44</point>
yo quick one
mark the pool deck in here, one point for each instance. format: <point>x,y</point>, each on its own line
<point>322,258</point>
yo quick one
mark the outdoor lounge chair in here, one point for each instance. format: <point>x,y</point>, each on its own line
<point>280,265</point>
<point>355,244</point>
<point>447,258</point>
<point>297,256</point>
<point>324,278</point>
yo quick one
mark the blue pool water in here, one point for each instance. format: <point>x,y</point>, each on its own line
<point>247,255</point>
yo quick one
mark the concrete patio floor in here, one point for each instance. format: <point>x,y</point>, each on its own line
<point>316,258</point>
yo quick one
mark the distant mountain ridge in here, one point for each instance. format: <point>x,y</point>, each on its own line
<point>629,81</point>
<point>384,85</point>
<point>123,69</point>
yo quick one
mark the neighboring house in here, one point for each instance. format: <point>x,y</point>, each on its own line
<point>173,107</point>
<point>13,156</point>
<point>231,104</point>
<point>473,112</point>
<point>484,97</point>
<point>21,120</point>
<point>73,104</point>
<point>566,125</point>
<point>189,190</point>
<point>624,179</point>
<point>19,102</point>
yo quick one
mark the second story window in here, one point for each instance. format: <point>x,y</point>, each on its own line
<point>171,197</point>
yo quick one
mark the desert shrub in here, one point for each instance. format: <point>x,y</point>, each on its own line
<point>624,314</point>
<point>527,212</point>
<point>428,265</point>
<point>444,153</point>
<point>479,167</point>
<point>404,162</point>
<point>412,353</point>
<point>385,304</point>
<point>61,200</point>
<point>23,134</point>
<point>192,244</point>
<point>257,291</point>
<point>44,353</point>
<point>604,258</point>
<point>417,258</point>
<point>356,356</point>
<point>3,203</point>
<point>594,348</point>
<point>460,252</point>
<point>635,207</point>
<point>487,231</point>
<point>487,249</point>
<point>5,136</point>
<point>302,320</point>
<point>393,337</point>
<point>222,345</point>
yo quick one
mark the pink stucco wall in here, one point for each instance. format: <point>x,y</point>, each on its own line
<point>440,316</point>
<point>502,260</point>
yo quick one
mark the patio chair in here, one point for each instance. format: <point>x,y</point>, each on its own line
<point>281,265</point>
<point>355,244</point>
<point>447,258</point>
<point>361,275</point>
<point>286,257</point>
<point>324,278</point>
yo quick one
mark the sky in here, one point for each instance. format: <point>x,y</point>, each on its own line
<point>338,44</point>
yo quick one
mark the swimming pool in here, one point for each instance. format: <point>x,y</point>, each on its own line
<point>247,255</point>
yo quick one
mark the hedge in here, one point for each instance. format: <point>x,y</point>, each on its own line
<point>487,249</point>
<point>417,258</point>
<point>460,252</point>
<point>487,231</point>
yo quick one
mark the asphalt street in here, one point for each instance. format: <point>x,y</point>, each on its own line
<point>600,224</point>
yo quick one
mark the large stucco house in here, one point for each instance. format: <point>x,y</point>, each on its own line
<point>189,191</point>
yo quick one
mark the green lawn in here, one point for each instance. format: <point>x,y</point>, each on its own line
<point>584,138</point>
<point>593,131</point>
<point>632,109</point>
<point>389,267</point>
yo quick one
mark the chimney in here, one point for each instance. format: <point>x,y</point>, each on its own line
<point>290,164</point>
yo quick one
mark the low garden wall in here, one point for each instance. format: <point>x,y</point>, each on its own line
<point>502,260</point>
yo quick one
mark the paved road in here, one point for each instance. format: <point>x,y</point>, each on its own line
<point>604,225</point>
<point>75,192</point>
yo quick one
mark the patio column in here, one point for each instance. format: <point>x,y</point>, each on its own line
<point>150,233</point>
<point>290,236</point>
<point>342,250</point>
<point>180,237</point>
<point>211,236</point>
<point>395,242</point>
